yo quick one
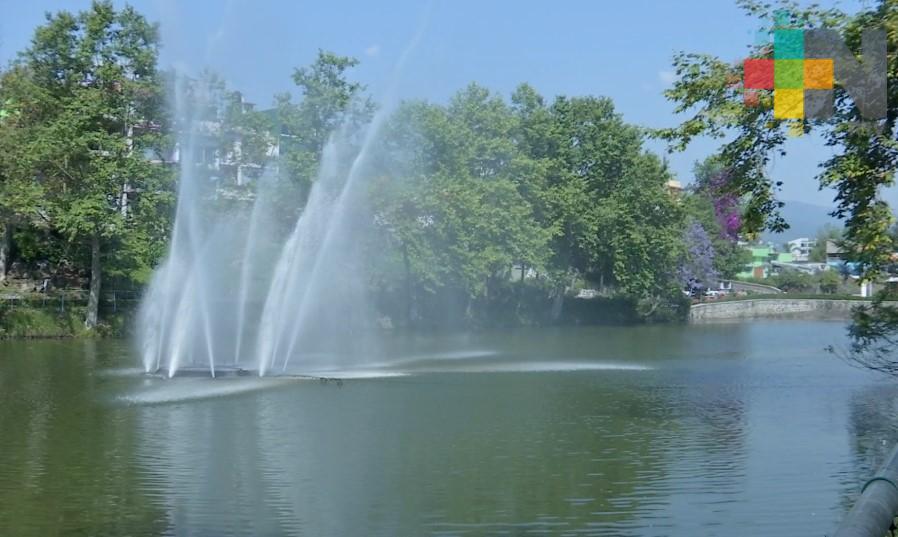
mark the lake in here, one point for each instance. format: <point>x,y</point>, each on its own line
<point>724,429</point>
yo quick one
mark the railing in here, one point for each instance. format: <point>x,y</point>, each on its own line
<point>754,287</point>
<point>874,512</point>
<point>63,299</point>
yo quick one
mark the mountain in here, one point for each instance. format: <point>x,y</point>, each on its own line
<point>804,219</point>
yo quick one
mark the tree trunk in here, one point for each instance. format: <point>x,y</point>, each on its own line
<point>557,303</point>
<point>520,293</point>
<point>558,299</point>
<point>93,300</point>
<point>126,185</point>
<point>411,311</point>
<point>5,250</point>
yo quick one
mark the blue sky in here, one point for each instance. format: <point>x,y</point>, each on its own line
<point>617,49</point>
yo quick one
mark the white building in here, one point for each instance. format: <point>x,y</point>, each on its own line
<point>801,248</point>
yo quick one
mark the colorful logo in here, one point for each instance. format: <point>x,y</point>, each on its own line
<point>805,67</point>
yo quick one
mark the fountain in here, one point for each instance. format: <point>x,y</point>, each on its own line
<point>233,295</point>
<point>293,304</point>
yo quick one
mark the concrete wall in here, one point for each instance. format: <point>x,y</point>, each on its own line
<point>809,308</point>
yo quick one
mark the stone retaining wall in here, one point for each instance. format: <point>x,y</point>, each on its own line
<point>805,308</point>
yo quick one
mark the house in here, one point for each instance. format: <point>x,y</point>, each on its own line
<point>801,248</point>
<point>759,265</point>
<point>518,272</point>
<point>835,255</point>
<point>217,144</point>
<point>837,259</point>
<point>675,188</point>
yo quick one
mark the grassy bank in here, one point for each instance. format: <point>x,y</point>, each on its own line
<point>50,317</point>
<point>36,320</point>
<point>51,322</point>
<point>31,322</point>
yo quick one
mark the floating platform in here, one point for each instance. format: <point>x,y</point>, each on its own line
<point>224,371</point>
<point>234,371</point>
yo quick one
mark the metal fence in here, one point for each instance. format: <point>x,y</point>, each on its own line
<point>66,299</point>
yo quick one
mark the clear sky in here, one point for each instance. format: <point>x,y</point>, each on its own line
<point>617,49</point>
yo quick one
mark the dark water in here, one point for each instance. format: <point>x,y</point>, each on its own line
<point>738,429</point>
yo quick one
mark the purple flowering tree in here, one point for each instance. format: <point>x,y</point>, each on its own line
<point>726,205</point>
<point>697,271</point>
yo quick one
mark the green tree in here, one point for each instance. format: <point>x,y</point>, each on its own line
<point>793,281</point>
<point>478,186</point>
<point>829,282</point>
<point>20,193</point>
<point>599,195</point>
<point>453,205</point>
<point>642,234</point>
<point>328,101</point>
<point>97,113</point>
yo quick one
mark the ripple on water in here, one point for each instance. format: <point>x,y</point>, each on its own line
<point>154,391</point>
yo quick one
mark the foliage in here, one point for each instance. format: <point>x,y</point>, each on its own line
<point>718,218</point>
<point>697,270</point>
<point>792,281</point>
<point>873,338</point>
<point>452,209</point>
<point>483,207</point>
<point>87,107</point>
<point>33,322</point>
<point>469,190</point>
<point>709,89</point>
<point>328,102</point>
<point>712,181</point>
<point>829,282</point>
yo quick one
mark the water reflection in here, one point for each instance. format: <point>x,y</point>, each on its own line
<point>873,428</point>
<point>722,430</point>
<point>456,454</point>
<point>67,464</point>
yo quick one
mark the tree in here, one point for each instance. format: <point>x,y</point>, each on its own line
<point>640,229</point>
<point>829,282</point>
<point>475,187</point>
<point>20,194</point>
<point>451,200</point>
<point>793,281</point>
<point>603,199</point>
<point>328,102</point>
<point>96,112</point>
<point>697,269</point>
<point>718,212</point>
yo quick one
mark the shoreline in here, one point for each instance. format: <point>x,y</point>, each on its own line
<point>32,323</point>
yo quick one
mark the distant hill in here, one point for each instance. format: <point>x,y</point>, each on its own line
<point>804,219</point>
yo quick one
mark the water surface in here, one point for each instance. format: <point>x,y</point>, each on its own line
<point>731,429</point>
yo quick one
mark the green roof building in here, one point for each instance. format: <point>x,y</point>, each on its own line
<point>758,268</point>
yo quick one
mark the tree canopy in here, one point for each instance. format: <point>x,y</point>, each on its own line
<point>494,205</point>
<point>85,108</point>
